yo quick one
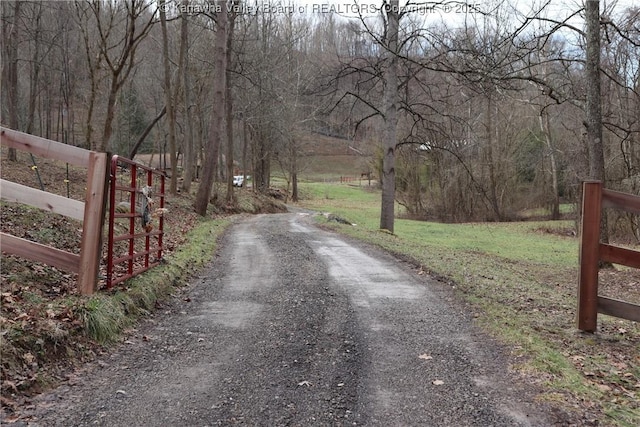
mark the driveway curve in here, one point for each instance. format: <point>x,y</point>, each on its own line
<point>291,325</point>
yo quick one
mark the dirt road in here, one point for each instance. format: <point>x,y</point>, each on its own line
<point>296,326</point>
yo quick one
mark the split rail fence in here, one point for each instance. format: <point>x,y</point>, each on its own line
<point>592,252</point>
<point>91,212</point>
<point>131,249</point>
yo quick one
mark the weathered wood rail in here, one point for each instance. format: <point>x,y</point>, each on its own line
<point>91,212</point>
<point>592,252</point>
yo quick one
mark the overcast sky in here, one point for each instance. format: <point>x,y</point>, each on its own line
<point>453,7</point>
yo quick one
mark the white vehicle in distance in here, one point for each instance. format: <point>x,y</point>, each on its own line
<point>238,181</point>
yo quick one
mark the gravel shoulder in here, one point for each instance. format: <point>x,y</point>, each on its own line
<point>292,325</point>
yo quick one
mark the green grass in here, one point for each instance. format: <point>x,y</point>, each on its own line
<point>359,205</point>
<point>513,241</point>
<point>565,208</point>
<point>105,316</point>
<point>331,167</point>
<point>521,280</point>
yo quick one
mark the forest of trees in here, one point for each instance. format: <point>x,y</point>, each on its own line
<point>468,111</point>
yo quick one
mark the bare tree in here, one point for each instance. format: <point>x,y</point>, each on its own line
<point>229,102</point>
<point>621,109</point>
<point>296,109</point>
<point>593,121</point>
<point>217,129</point>
<point>545,128</point>
<point>261,59</point>
<point>169,102</point>
<point>390,111</point>
<point>36,64</point>
<point>145,133</point>
<point>120,27</point>
<point>10,19</point>
<point>188,145</point>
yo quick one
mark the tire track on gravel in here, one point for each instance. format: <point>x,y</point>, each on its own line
<point>294,326</point>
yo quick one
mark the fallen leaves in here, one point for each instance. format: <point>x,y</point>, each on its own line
<point>425,356</point>
<point>7,298</point>
<point>29,358</point>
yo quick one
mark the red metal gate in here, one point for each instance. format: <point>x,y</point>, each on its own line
<point>136,224</point>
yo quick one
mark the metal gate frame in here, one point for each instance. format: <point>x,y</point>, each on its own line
<point>128,187</point>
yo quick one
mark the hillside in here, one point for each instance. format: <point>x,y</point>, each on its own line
<point>328,158</point>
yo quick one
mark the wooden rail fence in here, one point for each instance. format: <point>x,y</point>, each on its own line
<point>91,212</point>
<point>592,252</point>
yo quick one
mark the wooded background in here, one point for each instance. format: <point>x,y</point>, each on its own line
<point>466,111</point>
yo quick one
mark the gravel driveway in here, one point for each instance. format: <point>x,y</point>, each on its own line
<point>292,325</point>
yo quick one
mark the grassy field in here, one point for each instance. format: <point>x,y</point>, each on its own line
<point>521,280</point>
<point>321,168</point>
<point>565,208</point>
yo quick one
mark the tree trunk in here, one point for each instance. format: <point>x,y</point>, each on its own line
<point>546,130</point>
<point>93,65</point>
<point>107,130</point>
<point>493,189</point>
<point>229,131</point>
<point>294,170</point>
<point>245,145</point>
<point>10,71</point>
<point>229,110</point>
<point>594,105</point>
<point>189,150</point>
<point>35,71</point>
<point>115,50</point>
<point>89,144</point>
<point>171,116</point>
<point>262,160</point>
<point>390,111</point>
<point>294,187</point>
<point>146,132</point>
<point>217,120</point>
<point>199,142</point>
<point>595,148</point>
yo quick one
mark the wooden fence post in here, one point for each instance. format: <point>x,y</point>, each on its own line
<point>94,213</point>
<point>589,256</point>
